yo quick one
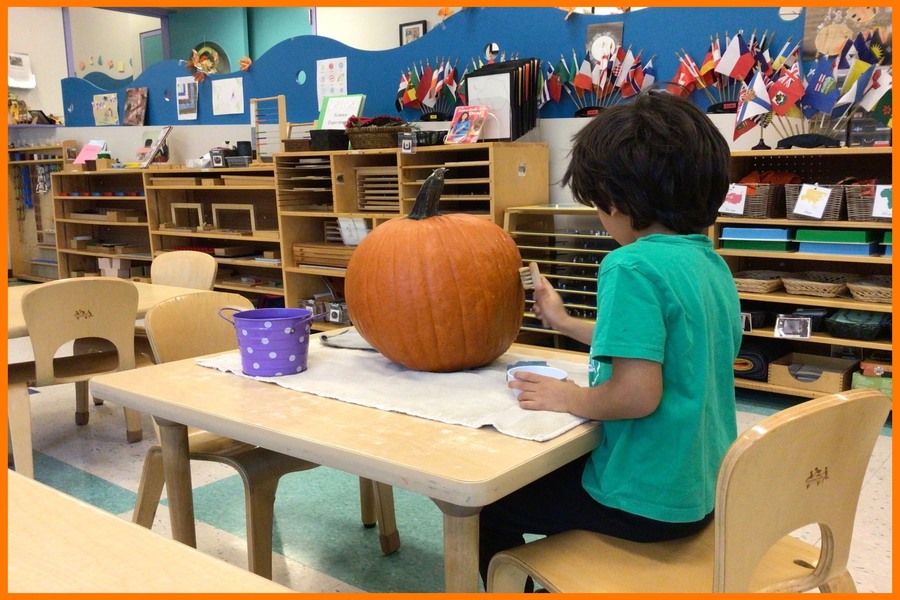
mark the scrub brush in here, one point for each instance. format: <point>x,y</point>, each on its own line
<point>530,276</point>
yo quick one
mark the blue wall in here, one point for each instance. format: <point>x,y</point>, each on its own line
<point>529,32</point>
<point>269,26</point>
<point>226,27</point>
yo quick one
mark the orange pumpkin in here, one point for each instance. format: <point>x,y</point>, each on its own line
<point>436,292</point>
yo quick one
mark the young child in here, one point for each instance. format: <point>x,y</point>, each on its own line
<point>662,350</point>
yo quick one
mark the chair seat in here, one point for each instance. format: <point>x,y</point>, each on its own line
<point>678,566</point>
<point>68,369</point>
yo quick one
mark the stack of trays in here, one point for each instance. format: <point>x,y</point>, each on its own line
<point>777,239</point>
<point>859,242</point>
<point>887,243</point>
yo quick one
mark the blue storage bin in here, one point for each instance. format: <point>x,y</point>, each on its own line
<point>756,233</point>
<point>839,248</point>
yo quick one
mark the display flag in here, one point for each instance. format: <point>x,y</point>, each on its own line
<point>754,100</point>
<point>450,84</point>
<point>883,109</point>
<point>624,68</point>
<point>634,79</point>
<point>424,85</point>
<point>786,90</point>
<point>737,60</point>
<point>401,90</point>
<point>880,85</point>
<point>821,89</point>
<point>582,78</point>
<point>649,75</point>
<point>855,92</point>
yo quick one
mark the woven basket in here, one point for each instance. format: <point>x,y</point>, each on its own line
<point>876,288</point>
<point>856,324</point>
<point>860,201</point>
<point>367,138</point>
<point>817,283</point>
<point>758,282</point>
<point>767,201</point>
<point>833,208</point>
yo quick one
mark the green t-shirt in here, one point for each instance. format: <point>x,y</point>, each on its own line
<point>669,299</point>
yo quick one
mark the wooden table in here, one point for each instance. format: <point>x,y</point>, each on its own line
<point>18,404</point>
<point>59,544</point>
<point>459,468</point>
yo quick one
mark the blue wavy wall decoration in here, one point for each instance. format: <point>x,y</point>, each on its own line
<point>528,32</point>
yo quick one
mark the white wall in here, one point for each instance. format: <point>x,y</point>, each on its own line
<point>110,35</point>
<point>371,28</point>
<point>38,32</point>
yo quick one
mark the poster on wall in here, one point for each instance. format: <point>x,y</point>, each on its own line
<point>228,96</point>
<point>186,98</point>
<point>106,109</point>
<point>827,30</point>
<point>135,106</point>
<point>19,74</point>
<point>331,78</point>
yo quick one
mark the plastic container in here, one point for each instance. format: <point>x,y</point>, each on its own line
<point>272,341</point>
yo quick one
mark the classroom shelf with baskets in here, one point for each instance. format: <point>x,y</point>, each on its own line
<point>833,268</point>
<point>328,200</point>
<point>229,213</point>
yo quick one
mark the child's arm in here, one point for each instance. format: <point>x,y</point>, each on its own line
<point>548,307</point>
<point>633,391</point>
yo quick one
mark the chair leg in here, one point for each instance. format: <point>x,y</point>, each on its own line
<point>149,492</point>
<point>134,432</point>
<point>505,576</point>
<point>387,522</point>
<point>367,508</point>
<point>82,416</point>
<point>842,584</point>
<point>83,346</point>
<point>259,495</point>
<point>18,411</point>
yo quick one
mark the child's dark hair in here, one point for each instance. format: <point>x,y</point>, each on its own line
<point>657,159</point>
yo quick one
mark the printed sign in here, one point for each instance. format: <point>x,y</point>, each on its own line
<point>735,200</point>
<point>883,203</point>
<point>812,201</point>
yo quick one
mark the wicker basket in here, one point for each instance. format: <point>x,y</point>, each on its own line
<point>817,283</point>
<point>758,282</point>
<point>766,201</point>
<point>833,208</point>
<point>860,201</point>
<point>876,288</point>
<point>367,138</point>
<point>856,324</point>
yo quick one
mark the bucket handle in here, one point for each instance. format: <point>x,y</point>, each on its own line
<point>231,308</point>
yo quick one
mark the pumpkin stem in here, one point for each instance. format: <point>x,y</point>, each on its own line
<point>429,196</point>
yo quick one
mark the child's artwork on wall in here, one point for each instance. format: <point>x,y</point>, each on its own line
<point>228,96</point>
<point>186,98</point>
<point>106,109</point>
<point>466,124</point>
<point>135,106</point>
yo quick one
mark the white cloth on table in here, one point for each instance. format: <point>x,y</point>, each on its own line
<point>480,396</point>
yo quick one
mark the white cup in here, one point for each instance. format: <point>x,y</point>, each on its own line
<point>538,369</point>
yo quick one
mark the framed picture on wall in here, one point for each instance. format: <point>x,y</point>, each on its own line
<point>410,32</point>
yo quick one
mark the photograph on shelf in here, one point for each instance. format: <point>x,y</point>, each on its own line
<point>465,128</point>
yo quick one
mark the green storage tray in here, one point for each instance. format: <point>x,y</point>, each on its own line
<point>888,237</point>
<point>846,236</point>
<point>771,246</point>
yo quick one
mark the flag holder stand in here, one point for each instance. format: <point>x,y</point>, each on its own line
<point>721,108</point>
<point>589,111</point>
<point>809,140</point>
<point>435,116</point>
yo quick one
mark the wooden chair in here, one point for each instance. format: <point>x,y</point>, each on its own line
<point>189,326</point>
<point>56,313</point>
<point>180,268</point>
<point>803,465</point>
<point>184,268</point>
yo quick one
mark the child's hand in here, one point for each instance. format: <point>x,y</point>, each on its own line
<point>539,392</point>
<point>548,304</point>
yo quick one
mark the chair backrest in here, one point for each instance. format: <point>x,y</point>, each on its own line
<point>801,466</point>
<point>184,268</point>
<point>189,325</point>
<point>58,312</point>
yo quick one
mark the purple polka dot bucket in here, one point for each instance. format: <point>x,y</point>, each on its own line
<point>272,341</point>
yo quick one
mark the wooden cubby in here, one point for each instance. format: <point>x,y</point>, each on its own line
<point>248,231</point>
<point>314,189</point>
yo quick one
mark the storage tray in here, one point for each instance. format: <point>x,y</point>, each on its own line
<point>758,281</point>
<point>837,236</point>
<point>761,245</point>
<point>824,284</point>
<point>768,234</point>
<point>856,324</point>
<point>837,248</point>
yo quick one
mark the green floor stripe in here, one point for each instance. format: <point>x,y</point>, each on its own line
<point>82,485</point>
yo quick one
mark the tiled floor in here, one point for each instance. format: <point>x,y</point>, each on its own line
<point>319,543</point>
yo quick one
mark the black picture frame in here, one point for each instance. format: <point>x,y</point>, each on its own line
<point>410,32</point>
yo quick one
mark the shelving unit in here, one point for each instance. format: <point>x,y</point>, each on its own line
<point>824,166</point>
<point>183,204</point>
<point>106,206</point>
<point>32,231</point>
<point>568,245</point>
<point>315,189</point>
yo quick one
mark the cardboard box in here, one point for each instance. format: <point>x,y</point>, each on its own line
<point>882,384</point>
<point>105,163</point>
<point>812,372</point>
<point>76,244</point>
<point>113,263</point>
<point>273,254</point>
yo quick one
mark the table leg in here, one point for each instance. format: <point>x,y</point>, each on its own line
<point>177,467</point>
<point>18,411</point>
<point>460,547</point>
